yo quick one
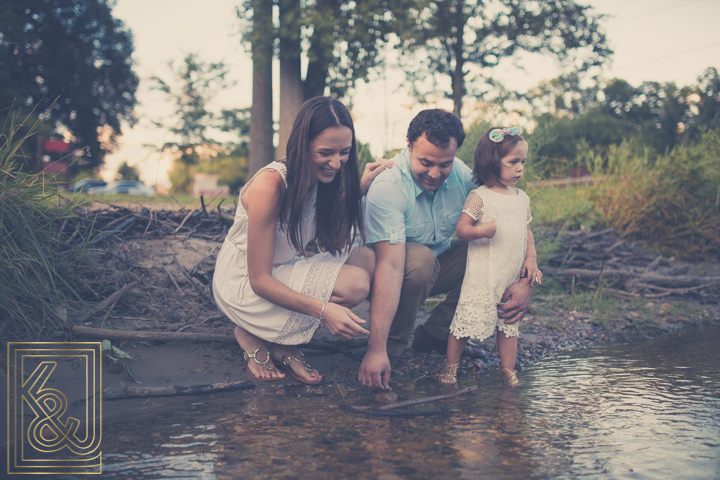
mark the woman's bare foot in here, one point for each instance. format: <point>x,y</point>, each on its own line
<point>295,360</point>
<point>259,363</point>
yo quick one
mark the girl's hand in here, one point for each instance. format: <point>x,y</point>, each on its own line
<point>487,229</point>
<point>530,268</point>
<point>371,171</point>
<point>343,323</point>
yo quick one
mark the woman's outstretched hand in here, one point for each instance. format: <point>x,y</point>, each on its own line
<point>371,171</point>
<point>343,323</point>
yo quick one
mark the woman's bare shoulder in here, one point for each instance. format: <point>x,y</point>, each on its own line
<point>266,185</point>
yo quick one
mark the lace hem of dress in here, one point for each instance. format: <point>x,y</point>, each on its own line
<point>318,283</point>
<point>480,322</point>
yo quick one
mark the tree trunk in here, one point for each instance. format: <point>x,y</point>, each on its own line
<point>291,85</point>
<point>320,55</point>
<point>458,77</point>
<point>261,121</point>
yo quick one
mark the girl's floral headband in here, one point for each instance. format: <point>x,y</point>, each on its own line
<point>498,135</point>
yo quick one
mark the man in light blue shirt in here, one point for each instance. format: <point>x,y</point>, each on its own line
<point>410,215</point>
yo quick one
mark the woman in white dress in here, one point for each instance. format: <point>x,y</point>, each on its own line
<point>265,281</point>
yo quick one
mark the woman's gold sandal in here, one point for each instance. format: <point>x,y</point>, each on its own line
<point>254,357</point>
<point>448,375</point>
<point>509,377</point>
<point>287,360</point>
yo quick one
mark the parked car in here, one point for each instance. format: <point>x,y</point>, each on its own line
<point>132,187</point>
<point>85,184</point>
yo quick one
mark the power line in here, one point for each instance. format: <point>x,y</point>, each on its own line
<point>632,17</point>
<point>672,55</point>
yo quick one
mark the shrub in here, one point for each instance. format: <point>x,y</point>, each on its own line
<point>671,203</point>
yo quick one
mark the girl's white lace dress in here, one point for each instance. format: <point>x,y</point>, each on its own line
<point>493,264</point>
<point>314,277</point>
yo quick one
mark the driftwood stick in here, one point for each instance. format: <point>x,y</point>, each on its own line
<point>183,221</point>
<point>116,392</point>
<point>676,281</point>
<point>173,279</point>
<point>654,264</point>
<point>669,291</point>
<point>202,204</point>
<point>192,282</point>
<point>105,303</point>
<point>393,413</point>
<point>118,221</point>
<point>150,336</point>
<point>651,278</point>
<point>121,228</point>
<point>418,401</point>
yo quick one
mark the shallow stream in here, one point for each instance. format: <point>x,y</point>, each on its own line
<point>649,410</point>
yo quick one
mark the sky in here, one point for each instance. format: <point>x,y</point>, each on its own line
<point>653,40</point>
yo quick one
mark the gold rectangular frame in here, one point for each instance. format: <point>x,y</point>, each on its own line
<point>41,438</point>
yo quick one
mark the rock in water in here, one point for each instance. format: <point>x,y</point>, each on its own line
<point>386,397</point>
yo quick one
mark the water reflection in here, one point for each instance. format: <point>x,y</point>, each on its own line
<point>642,411</point>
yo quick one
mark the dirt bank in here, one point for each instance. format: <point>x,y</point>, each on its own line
<point>171,293</point>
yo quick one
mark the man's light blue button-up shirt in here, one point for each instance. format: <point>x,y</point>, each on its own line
<point>398,209</point>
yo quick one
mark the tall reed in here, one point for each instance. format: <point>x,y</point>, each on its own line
<point>36,286</point>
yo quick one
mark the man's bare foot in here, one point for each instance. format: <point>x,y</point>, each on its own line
<point>293,359</point>
<point>256,351</point>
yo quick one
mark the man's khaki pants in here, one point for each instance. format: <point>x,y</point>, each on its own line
<point>426,276</point>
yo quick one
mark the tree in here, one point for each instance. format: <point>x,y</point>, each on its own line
<point>564,95</point>
<point>261,126</point>
<point>74,59</point>
<point>704,107</point>
<point>454,39</point>
<point>128,172</point>
<point>199,81</point>
<point>341,40</point>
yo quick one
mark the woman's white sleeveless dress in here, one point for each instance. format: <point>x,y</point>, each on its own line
<point>314,277</point>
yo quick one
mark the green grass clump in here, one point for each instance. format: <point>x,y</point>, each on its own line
<point>571,207</point>
<point>35,288</point>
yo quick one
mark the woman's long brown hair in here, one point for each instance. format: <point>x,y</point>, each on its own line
<point>338,215</point>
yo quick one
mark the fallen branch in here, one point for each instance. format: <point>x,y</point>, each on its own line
<point>418,401</point>
<point>393,413</point>
<point>631,278</point>
<point>192,282</point>
<point>183,221</point>
<point>117,392</point>
<point>150,336</point>
<point>112,299</point>
<point>121,228</point>
<point>173,279</point>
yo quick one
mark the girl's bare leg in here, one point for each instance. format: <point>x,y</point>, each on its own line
<point>353,282</point>
<point>250,343</point>
<point>454,350</point>
<point>455,347</point>
<point>507,348</point>
<point>280,351</point>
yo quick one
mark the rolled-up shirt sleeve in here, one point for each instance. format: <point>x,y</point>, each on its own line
<point>385,207</point>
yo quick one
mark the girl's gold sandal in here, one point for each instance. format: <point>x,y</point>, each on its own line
<point>509,377</point>
<point>448,375</point>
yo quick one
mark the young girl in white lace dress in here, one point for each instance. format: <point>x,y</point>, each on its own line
<point>495,221</point>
